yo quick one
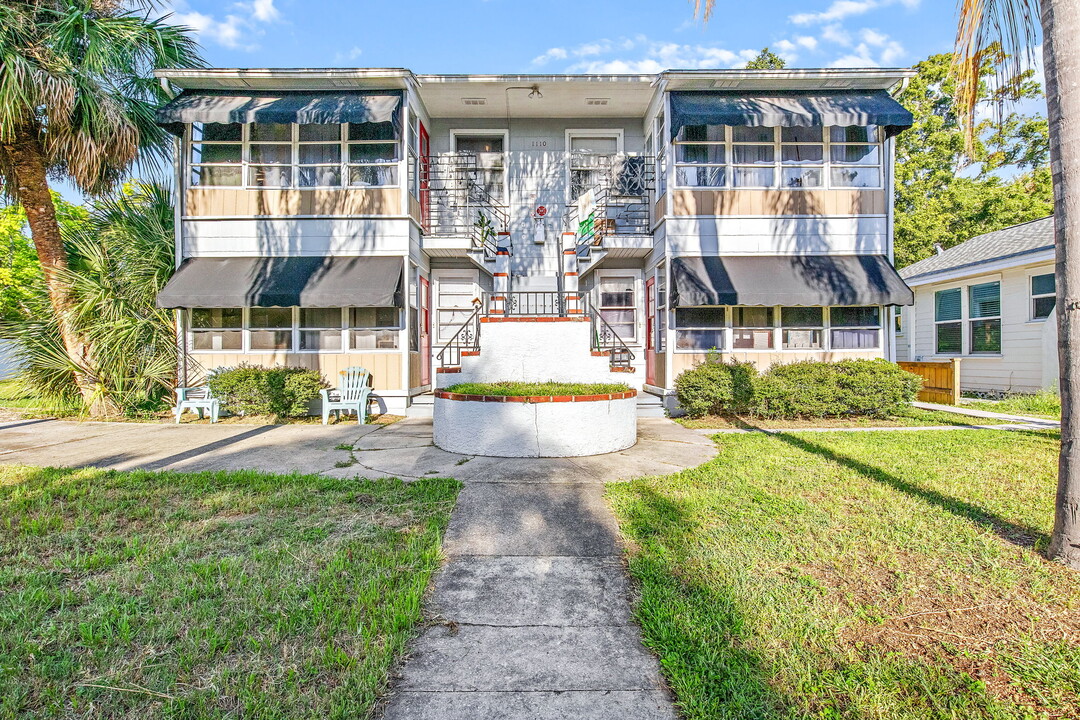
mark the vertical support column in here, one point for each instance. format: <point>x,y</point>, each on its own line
<point>501,277</point>
<point>574,306</point>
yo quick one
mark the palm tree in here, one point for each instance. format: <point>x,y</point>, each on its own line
<point>77,101</point>
<point>1007,32</point>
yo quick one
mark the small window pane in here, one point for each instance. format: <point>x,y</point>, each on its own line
<point>701,154</point>
<point>596,145</point>
<point>1043,284</point>
<point>799,177</point>
<point>373,317</point>
<point>1044,307</point>
<point>373,175</point>
<point>948,338</point>
<point>217,340</point>
<point>854,134</point>
<point>371,131</point>
<point>801,134</point>
<point>986,336</point>
<point>699,317</point>
<point>271,339</point>
<point>271,154</point>
<point>856,177</point>
<point>320,176</point>
<point>802,339</point>
<point>270,175</point>
<point>373,152</point>
<point>315,154</point>
<point>711,176</point>
<point>747,154</point>
<point>947,305</point>
<point>850,339</point>
<point>702,133</point>
<point>752,316</point>
<point>753,177</point>
<point>270,317</point>
<point>216,175</point>
<point>699,340</point>
<point>854,154</point>
<point>984,300</point>
<point>480,145</point>
<point>743,133</point>
<point>855,316</point>
<point>751,339</point>
<point>328,340</point>
<point>802,317</point>
<point>216,153</point>
<point>224,132</point>
<point>802,153</point>
<point>617,292</point>
<point>320,317</point>
<point>320,132</point>
<point>374,339</point>
<point>217,318</point>
<point>281,132</point>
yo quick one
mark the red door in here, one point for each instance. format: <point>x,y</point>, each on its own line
<point>425,177</point>
<point>425,331</point>
<point>650,332</point>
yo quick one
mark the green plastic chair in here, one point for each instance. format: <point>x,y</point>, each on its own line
<point>352,394</point>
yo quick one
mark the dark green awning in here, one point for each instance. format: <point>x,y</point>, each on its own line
<point>807,280</point>
<point>285,282</point>
<point>788,109</point>
<point>225,106</point>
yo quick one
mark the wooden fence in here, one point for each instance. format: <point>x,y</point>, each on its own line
<point>941,380</point>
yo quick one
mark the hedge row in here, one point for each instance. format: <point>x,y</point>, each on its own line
<point>875,388</point>
<point>256,390</point>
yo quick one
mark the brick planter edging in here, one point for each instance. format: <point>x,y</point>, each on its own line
<point>535,398</point>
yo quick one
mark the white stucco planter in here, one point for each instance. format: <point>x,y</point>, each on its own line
<point>543,426</point>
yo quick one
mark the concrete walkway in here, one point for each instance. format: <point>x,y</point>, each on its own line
<point>530,617</point>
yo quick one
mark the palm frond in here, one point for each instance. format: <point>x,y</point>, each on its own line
<point>704,9</point>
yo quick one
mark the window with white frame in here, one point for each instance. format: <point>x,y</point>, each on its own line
<point>617,307</point>
<point>802,328</point>
<point>270,328</point>
<point>752,328</point>
<point>293,155</point>
<point>948,321</point>
<point>898,319</point>
<point>490,160</point>
<point>700,329</point>
<point>589,158</point>
<point>661,155</point>
<point>984,313</point>
<point>855,327</point>
<point>1043,295</point>
<point>374,328</point>
<point>217,329</point>
<point>723,156</point>
<point>320,329</point>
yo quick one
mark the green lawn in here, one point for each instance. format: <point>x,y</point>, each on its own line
<point>1043,404</point>
<point>13,396</point>
<point>208,595</point>
<point>910,417</point>
<point>855,575</point>
<point>517,389</point>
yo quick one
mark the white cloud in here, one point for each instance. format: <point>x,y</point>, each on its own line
<point>807,41</point>
<point>237,29</point>
<point>639,54</point>
<point>873,37</point>
<point>348,56</point>
<point>877,50</point>
<point>264,10</point>
<point>839,10</point>
<point>836,34</point>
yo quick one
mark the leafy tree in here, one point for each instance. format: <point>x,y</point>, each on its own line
<point>766,60</point>
<point>947,192</point>
<point>77,100</point>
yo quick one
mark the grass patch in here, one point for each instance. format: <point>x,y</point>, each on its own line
<point>208,595</point>
<point>854,575</point>
<point>1042,404</point>
<point>910,417</point>
<point>517,389</point>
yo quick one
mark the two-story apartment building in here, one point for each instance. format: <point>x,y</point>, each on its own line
<point>339,217</point>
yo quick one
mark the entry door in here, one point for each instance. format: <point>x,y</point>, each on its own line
<point>425,331</point>
<point>650,331</point>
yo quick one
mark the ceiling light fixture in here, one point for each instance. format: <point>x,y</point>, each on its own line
<point>535,94</point>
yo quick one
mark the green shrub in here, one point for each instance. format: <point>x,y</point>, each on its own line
<point>715,387</point>
<point>256,390</point>
<point>875,388</point>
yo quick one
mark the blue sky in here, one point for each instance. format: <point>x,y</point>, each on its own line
<point>505,36</point>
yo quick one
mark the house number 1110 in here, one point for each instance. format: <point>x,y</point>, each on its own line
<point>539,143</point>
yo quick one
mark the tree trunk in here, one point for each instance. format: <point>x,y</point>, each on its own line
<point>1061,57</point>
<point>32,191</point>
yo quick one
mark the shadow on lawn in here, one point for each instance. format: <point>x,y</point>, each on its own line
<point>1024,536</point>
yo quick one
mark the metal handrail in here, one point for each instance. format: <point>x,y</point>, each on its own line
<point>541,303</point>
<point>620,190</point>
<point>450,354</point>
<point>457,200</point>
<point>621,354</point>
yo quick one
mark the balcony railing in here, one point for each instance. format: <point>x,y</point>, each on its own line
<point>616,202</point>
<point>458,204</point>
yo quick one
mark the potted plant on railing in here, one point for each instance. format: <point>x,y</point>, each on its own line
<point>485,231</point>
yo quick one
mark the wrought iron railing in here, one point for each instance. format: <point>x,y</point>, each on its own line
<point>458,203</point>
<point>466,339</point>
<point>618,201</point>
<point>606,340</point>
<point>542,303</point>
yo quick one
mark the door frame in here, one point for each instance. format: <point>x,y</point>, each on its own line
<point>425,175</point>
<point>425,331</point>
<point>650,329</point>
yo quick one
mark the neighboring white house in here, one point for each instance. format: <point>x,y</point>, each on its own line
<point>989,301</point>
<point>329,218</point>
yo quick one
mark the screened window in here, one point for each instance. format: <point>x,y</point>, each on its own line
<point>374,328</point>
<point>661,308</point>
<point>217,329</point>
<point>753,156</point>
<point>948,326</point>
<point>855,156</point>
<point>802,328</point>
<point>589,157</point>
<point>752,328</point>
<point>1043,295</point>
<point>802,157</point>
<point>217,153</point>
<point>320,329</point>
<point>701,156</point>
<point>372,154</point>
<point>898,320</point>
<point>617,306</point>
<point>700,329</point>
<point>984,310</point>
<point>490,160</point>
<point>855,328</point>
<point>270,328</point>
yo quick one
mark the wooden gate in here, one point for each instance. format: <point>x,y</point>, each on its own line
<point>941,380</point>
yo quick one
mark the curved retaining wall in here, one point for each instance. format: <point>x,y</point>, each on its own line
<point>535,426</point>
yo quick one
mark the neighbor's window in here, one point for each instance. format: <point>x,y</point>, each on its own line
<point>374,328</point>
<point>1043,296</point>
<point>855,328</point>
<point>752,328</point>
<point>948,313</point>
<point>617,306</point>
<point>700,329</point>
<point>984,310</point>
<point>217,329</point>
<point>898,320</point>
<point>802,328</point>
<point>320,329</point>
<point>270,328</point>
<point>217,151</point>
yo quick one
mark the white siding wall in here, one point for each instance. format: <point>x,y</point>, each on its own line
<point>285,237</point>
<point>1020,367</point>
